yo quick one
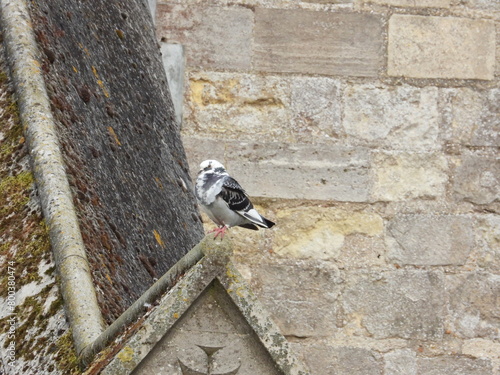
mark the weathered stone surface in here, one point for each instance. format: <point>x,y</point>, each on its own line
<point>215,37</point>
<point>324,359</point>
<point>319,233</point>
<point>238,106</point>
<point>482,348</point>
<point>249,106</point>
<point>209,320</point>
<point>402,117</point>
<point>292,171</point>
<point>472,117</point>
<point>454,365</point>
<point>315,108</point>
<point>474,304</point>
<point>441,47</point>
<point>476,179</point>
<point>483,5</point>
<point>488,241</point>
<point>415,3</point>
<point>430,240</point>
<point>121,147</point>
<point>400,362</point>
<point>361,251</point>
<point>173,59</point>
<point>211,334</point>
<point>401,176</point>
<point>330,1</point>
<point>317,42</point>
<point>403,303</point>
<point>301,296</point>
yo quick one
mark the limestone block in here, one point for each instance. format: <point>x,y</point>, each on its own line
<point>441,47</point>
<point>454,365</point>
<point>328,360</point>
<point>472,117</point>
<point>290,171</point>
<point>330,1</point>
<point>238,106</point>
<point>415,3</point>
<point>300,296</point>
<point>315,107</point>
<point>401,176</point>
<point>430,240</point>
<point>488,241</point>
<point>482,348</point>
<point>476,179</point>
<point>249,106</point>
<point>400,362</point>
<point>401,117</point>
<point>214,37</point>
<point>474,309</point>
<point>302,41</point>
<point>319,233</point>
<point>403,303</point>
<point>484,5</point>
<point>361,251</point>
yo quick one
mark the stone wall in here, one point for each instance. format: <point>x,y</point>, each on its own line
<point>369,131</point>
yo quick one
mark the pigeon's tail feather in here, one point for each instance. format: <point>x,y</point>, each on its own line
<point>257,219</point>
<point>250,226</point>
<point>269,223</point>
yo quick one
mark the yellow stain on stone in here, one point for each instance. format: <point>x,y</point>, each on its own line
<point>113,134</point>
<point>103,88</point>
<point>158,238</point>
<point>321,242</point>
<point>100,82</point>
<point>341,221</point>
<point>205,92</point>
<point>34,69</point>
<point>176,315</point>
<point>239,292</point>
<point>231,275</point>
<point>75,69</point>
<point>160,185</point>
<point>319,233</point>
<point>126,354</point>
<point>84,49</point>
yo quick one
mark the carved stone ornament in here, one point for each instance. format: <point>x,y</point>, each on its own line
<point>209,323</point>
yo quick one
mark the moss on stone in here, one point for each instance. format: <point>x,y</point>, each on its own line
<point>25,240</point>
<point>25,235</point>
<point>25,246</point>
<point>67,360</point>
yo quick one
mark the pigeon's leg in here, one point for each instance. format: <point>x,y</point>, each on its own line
<point>220,230</point>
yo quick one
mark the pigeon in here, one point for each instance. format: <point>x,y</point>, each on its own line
<point>225,201</point>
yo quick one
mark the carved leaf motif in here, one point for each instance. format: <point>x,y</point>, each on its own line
<point>209,351</point>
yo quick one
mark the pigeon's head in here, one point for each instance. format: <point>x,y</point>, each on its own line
<point>212,166</point>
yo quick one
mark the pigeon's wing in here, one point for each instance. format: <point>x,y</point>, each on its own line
<point>237,200</point>
<point>234,195</point>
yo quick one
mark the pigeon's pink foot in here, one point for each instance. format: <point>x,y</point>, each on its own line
<point>219,230</point>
